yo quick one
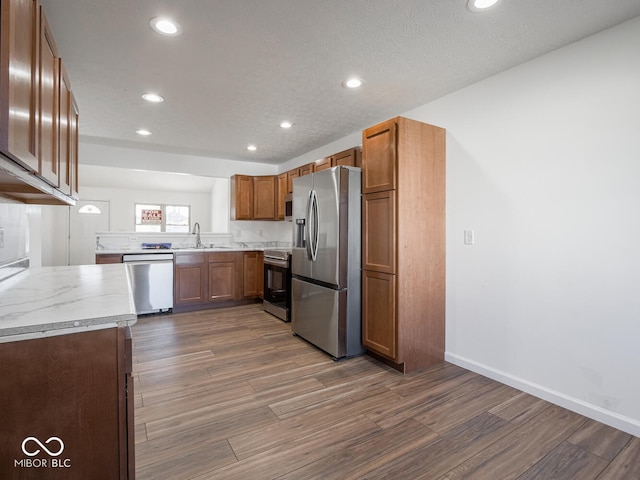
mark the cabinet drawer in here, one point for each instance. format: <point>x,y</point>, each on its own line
<point>217,257</point>
<point>189,258</point>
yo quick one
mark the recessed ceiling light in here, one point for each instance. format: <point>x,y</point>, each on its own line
<point>352,83</point>
<point>143,132</point>
<point>286,124</point>
<point>481,5</point>
<point>251,148</point>
<point>153,97</point>
<point>165,26</point>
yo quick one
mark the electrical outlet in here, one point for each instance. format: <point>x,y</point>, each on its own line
<point>260,233</point>
<point>1,237</point>
<point>469,237</point>
<point>133,238</point>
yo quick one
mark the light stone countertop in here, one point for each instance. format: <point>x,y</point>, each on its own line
<point>54,300</point>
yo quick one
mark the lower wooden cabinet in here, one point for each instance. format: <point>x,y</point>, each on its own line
<point>103,258</point>
<point>380,331</point>
<point>223,277</point>
<point>71,395</point>
<point>216,279</point>
<point>190,279</point>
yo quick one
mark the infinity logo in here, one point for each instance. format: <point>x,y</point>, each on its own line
<point>34,439</point>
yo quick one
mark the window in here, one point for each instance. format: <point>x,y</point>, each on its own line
<point>162,218</point>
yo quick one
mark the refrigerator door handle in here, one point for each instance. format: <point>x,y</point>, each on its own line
<point>307,228</point>
<point>312,225</point>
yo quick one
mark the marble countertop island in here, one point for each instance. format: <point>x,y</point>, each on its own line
<point>47,301</point>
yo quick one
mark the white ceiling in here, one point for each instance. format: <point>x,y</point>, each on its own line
<point>240,67</point>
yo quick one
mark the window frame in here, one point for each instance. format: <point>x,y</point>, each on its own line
<point>163,224</point>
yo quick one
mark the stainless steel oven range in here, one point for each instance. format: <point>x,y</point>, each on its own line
<point>277,283</point>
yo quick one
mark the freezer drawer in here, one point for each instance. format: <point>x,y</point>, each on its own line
<point>325,318</point>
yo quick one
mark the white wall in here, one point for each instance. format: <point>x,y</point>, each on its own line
<point>122,200</point>
<point>543,163</point>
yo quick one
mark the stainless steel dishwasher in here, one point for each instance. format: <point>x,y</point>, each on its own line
<point>151,278</point>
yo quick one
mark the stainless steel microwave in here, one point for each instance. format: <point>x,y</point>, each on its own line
<point>288,207</point>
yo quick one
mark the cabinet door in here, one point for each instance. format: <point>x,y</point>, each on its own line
<point>379,324</point>
<point>48,91</point>
<point>260,274</point>
<point>64,130</point>
<point>264,198</point>
<point>73,147</point>
<point>282,192</point>
<point>241,196</point>
<point>18,93</point>
<point>306,169</point>
<point>379,157</point>
<point>323,164</point>
<point>348,158</point>
<point>291,174</point>
<point>222,281</point>
<point>250,275</point>
<point>190,279</point>
<point>379,231</point>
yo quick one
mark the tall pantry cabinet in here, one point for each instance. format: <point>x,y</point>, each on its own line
<point>403,264</point>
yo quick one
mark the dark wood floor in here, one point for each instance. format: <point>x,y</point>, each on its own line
<point>231,394</point>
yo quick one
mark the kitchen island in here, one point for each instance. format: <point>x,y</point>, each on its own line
<point>66,390</point>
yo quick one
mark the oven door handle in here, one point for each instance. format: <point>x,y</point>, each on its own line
<point>276,262</point>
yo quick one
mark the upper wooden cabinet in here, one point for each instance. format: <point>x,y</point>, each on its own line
<point>19,112</point>
<point>322,164</point>
<point>403,235</point>
<point>68,137</point>
<point>264,197</point>
<point>254,198</point>
<point>241,197</point>
<point>379,158</point>
<point>282,189</point>
<point>306,169</point>
<point>49,96</point>
<point>32,86</point>
<point>291,174</point>
<point>348,158</point>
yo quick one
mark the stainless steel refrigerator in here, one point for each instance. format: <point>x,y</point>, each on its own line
<point>326,260</point>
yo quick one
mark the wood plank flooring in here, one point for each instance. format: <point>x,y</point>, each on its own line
<point>231,394</point>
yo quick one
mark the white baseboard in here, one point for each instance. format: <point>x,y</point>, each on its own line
<point>589,410</point>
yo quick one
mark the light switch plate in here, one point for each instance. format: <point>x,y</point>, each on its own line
<point>468,237</point>
<point>1,237</point>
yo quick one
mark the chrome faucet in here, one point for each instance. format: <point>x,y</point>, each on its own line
<point>196,232</point>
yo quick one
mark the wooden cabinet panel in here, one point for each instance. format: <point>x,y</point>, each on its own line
<point>403,164</point>
<point>282,192</point>
<point>222,281</point>
<point>48,91</point>
<point>260,274</point>
<point>251,274</point>
<point>322,164</point>
<point>103,258</point>
<point>264,198</point>
<point>379,332</point>
<point>190,279</point>
<point>379,231</point>
<point>306,169</point>
<point>291,174</point>
<point>241,197</point>
<point>74,159</point>
<point>379,150</point>
<point>73,387</point>
<point>18,92</point>
<point>348,158</point>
